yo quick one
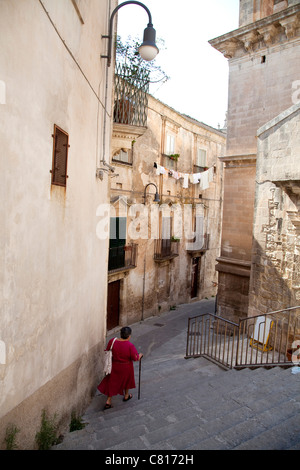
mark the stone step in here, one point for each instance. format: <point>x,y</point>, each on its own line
<point>198,409</point>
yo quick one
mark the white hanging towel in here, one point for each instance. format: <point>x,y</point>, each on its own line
<point>196,178</point>
<point>204,183</point>
<point>160,170</point>
<point>185,180</point>
<point>175,174</point>
<point>206,178</point>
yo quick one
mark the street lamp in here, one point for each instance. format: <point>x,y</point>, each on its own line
<point>156,197</point>
<point>148,50</point>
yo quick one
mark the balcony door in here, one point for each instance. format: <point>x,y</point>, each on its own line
<point>166,236</point>
<point>117,241</point>
<point>195,276</point>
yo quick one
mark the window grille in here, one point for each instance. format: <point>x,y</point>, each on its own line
<point>60,157</point>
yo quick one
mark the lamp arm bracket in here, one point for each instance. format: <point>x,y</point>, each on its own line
<point>110,34</point>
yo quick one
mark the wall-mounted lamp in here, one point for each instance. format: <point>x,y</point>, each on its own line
<point>148,50</point>
<point>156,197</point>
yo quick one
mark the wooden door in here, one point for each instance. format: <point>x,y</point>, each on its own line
<point>113,305</point>
<point>195,276</point>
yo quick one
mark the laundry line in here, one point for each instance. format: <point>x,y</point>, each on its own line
<point>203,178</point>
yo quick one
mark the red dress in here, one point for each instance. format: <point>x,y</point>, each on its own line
<point>121,377</point>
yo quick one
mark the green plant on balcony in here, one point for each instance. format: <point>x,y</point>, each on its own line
<point>174,156</point>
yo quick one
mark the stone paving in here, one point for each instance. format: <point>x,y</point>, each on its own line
<point>192,404</point>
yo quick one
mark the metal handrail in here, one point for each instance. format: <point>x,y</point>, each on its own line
<point>262,340</point>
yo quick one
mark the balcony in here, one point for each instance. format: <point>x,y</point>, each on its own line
<point>199,169</point>
<point>131,100</point>
<point>165,249</point>
<point>198,246</point>
<point>122,258</point>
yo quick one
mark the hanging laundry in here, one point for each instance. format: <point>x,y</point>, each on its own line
<point>185,181</point>
<point>196,178</point>
<point>211,174</point>
<point>165,173</point>
<point>160,170</point>
<point>204,183</point>
<point>206,178</point>
<point>203,178</point>
<point>174,174</point>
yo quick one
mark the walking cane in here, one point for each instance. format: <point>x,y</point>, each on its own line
<point>140,367</point>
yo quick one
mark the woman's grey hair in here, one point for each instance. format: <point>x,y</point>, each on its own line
<point>125,332</point>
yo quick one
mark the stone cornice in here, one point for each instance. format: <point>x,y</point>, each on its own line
<point>127,132</point>
<point>123,135</point>
<point>278,28</point>
<point>234,161</point>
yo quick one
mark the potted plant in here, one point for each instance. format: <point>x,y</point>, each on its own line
<point>174,156</point>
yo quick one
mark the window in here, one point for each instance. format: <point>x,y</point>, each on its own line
<point>201,158</point>
<point>123,156</point>
<point>117,241</point>
<point>170,144</point>
<point>60,157</point>
<point>200,163</point>
<point>166,228</point>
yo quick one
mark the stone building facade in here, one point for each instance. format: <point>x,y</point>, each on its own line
<point>55,122</point>
<point>275,274</point>
<point>176,240</point>
<point>264,66</point>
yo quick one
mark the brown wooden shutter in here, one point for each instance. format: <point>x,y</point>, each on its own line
<point>60,157</point>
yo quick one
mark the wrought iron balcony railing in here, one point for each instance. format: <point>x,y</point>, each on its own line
<point>122,257</point>
<point>165,249</point>
<point>131,101</point>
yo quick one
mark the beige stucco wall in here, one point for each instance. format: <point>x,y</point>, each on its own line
<point>53,294</point>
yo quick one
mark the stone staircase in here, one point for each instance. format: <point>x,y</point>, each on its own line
<point>195,405</point>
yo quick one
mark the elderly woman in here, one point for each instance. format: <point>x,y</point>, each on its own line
<point>121,378</point>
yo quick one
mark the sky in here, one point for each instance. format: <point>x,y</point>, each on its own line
<point>198,84</point>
